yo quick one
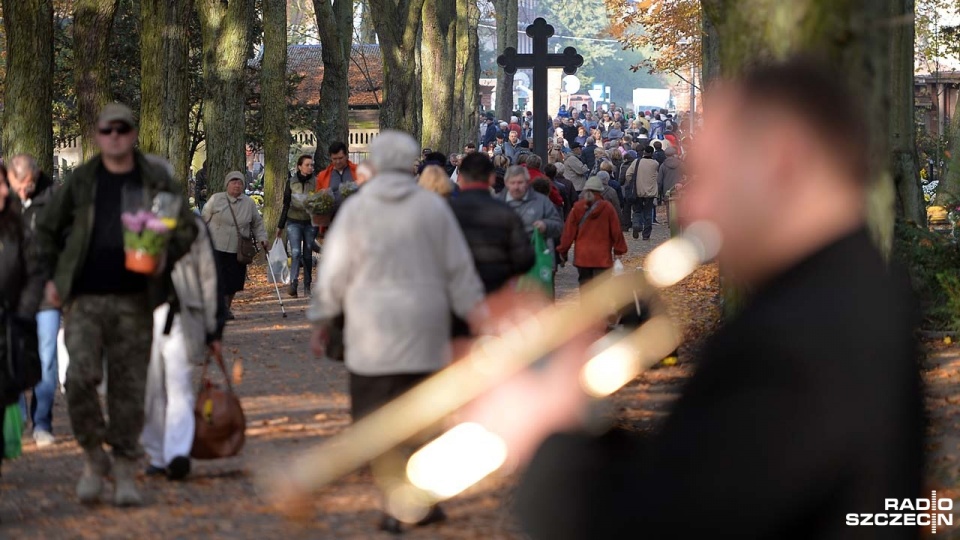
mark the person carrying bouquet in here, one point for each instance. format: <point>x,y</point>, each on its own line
<point>96,270</point>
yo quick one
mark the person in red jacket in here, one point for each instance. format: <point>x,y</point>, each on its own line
<point>594,226</point>
<point>533,164</point>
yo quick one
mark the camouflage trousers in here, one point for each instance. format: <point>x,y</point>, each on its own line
<point>115,331</point>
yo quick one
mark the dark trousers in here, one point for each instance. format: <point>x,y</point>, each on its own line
<point>369,393</point>
<point>585,275</point>
<point>643,210</point>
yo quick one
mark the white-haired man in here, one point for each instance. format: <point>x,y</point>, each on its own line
<point>398,277</point>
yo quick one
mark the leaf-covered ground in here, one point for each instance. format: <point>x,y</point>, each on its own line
<point>293,401</point>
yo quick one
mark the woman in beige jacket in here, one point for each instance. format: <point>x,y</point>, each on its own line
<point>223,232</point>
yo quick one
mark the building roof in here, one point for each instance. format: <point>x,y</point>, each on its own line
<point>365,74</point>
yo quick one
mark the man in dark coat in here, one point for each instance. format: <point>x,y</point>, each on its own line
<point>35,190</point>
<point>501,248</point>
<point>805,412</point>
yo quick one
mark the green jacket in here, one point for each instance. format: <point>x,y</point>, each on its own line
<point>64,228</point>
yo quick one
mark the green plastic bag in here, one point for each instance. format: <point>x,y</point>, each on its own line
<point>540,277</point>
<point>12,432</point>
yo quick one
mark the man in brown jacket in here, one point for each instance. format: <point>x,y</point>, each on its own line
<point>642,179</point>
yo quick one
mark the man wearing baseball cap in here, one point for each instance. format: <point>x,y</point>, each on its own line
<point>108,308</point>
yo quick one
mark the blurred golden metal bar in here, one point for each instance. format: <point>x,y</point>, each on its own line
<point>490,361</point>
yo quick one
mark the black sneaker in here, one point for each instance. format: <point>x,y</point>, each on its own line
<point>308,290</point>
<point>390,524</point>
<point>436,515</point>
<point>636,234</point>
<point>179,468</point>
<point>292,291</point>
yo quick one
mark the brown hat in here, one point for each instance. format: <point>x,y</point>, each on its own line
<point>116,112</point>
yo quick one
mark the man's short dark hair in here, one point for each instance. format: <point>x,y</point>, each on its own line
<point>437,158</point>
<point>336,147</point>
<point>303,158</point>
<point>541,185</point>
<point>657,145</point>
<point>804,86</point>
<point>550,170</point>
<point>648,151</point>
<point>534,161</point>
<point>476,168</point>
<point>470,145</point>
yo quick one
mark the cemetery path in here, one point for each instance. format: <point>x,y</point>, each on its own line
<point>293,401</point>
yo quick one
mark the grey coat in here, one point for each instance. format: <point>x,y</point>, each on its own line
<point>671,173</point>
<point>196,284</point>
<point>396,278</point>
<point>535,207</point>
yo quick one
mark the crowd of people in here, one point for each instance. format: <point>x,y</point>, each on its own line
<point>822,404</point>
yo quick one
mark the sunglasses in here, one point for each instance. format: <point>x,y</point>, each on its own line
<point>122,129</point>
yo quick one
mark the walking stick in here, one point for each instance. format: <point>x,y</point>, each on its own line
<point>275,286</point>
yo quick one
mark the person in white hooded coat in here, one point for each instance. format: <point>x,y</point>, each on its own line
<point>395,265</point>
<point>182,336</point>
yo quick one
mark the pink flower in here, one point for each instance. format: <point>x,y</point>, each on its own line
<point>132,222</point>
<point>157,226</point>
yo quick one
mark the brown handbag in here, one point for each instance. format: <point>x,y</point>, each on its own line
<point>220,423</point>
<point>246,247</point>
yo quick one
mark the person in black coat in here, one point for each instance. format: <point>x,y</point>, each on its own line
<point>805,407</point>
<point>21,289</point>
<point>500,247</point>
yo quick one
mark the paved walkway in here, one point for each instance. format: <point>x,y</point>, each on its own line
<point>291,401</point>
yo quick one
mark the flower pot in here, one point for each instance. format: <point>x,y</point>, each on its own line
<point>322,220</point>
<point>141,262</point>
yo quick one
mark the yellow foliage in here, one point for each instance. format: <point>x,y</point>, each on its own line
<point>671,28</point>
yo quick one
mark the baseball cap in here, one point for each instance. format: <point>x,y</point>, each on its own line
<point>116,112</point>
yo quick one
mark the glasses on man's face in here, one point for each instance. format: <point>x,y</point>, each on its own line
<point>121,129</point>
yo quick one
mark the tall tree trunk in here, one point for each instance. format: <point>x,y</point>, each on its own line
<point>856,35</point>
<point>334,24</point>
<point>506,13</point>
<point>92,24</point>
<point>276,128</point>
<point>28,93</point>
<point>398,28</point>
<point>902,133</point>
<point>467,85</point>
<point>438,49</point>
<point>368,34</point>
<point>226,47</point>
<point>165,82</point>
<point>710,44</point>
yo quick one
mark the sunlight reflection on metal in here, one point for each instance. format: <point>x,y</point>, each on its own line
<point>676,259</point>
<point>456,460</point>
<point>609,370</point>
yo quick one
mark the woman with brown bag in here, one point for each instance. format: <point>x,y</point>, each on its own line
<point>235,226</point>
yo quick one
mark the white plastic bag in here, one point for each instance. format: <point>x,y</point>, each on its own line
<point>617,267</point>
<point>279,270</point>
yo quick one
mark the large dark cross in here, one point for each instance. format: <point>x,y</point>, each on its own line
<point>541,60</point>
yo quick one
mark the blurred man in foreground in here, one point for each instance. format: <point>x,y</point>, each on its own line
<point>805,407</point>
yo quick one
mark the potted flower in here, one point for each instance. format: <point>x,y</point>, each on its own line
<point>144,240</point>
<point>321,206</point>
